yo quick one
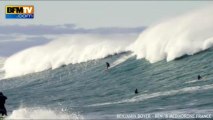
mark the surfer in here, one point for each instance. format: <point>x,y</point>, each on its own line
<point>107,65</point>
<point>199,77</point>
<point>3,110</point>
<point>136,91</point>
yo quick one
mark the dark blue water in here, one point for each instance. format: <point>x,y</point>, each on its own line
<point>87,89</point>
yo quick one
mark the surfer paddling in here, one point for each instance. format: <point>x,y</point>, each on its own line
<point>3,110</point>
<point>199,77</point>
<point>136,91</point>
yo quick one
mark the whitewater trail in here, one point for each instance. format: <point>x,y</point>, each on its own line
<point>196,80</point>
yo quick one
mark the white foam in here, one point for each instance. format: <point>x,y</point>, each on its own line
<point>63,51</point>
<point>173,38</point>
<point>38,113</point>
<point>193,81</point>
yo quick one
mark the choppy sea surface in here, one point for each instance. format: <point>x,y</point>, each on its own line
<point>88,90</point>
<point>67,77</point>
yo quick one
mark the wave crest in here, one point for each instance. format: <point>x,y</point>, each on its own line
<point>63,51</point>
<point>183,35</point>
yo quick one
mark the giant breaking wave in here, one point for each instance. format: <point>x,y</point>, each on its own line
<point>63,51</point>
<point>183,35</point>
<point>170,39</point>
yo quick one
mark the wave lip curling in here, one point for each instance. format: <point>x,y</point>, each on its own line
<point>173,38</point>
<point>64,51</point>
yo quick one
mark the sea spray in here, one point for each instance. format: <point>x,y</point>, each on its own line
<point>41,113</point>
<point>182,35</point>
<point>65,50</point>
<point>2,72</point>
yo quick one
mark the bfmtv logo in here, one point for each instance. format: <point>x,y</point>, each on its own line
<point>19,12</point>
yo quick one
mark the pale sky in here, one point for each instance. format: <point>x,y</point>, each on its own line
<point>95,14</point>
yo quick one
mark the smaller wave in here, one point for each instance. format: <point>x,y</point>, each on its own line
<point>194,81</point>
<point>143,97</point>
<point>38,113</point>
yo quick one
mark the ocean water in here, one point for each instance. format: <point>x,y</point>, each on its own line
<point>67,78</point>
<point>88,90</point>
